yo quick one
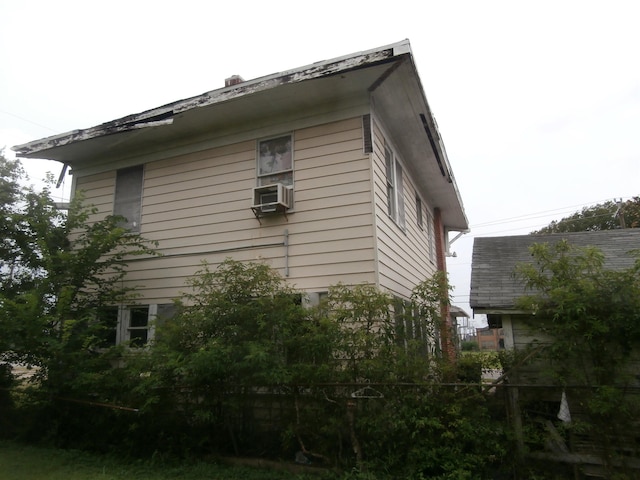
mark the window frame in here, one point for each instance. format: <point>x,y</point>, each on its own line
<point>275,176</point>
<point>390,181</point>
<point>118,320</point>
<point>130,331</point>
<point>394,175</point>
<point>123,201</point>
<point>124,325</point>
<point>430,236</point>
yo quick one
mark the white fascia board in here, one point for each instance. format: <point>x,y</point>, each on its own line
<point>161,115</point>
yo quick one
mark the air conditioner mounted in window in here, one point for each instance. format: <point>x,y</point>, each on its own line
<point>274,198</point>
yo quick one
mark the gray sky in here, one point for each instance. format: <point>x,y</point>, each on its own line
<point>538,102</point>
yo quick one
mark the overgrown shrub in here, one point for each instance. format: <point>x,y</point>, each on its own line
<point>590,316</point>
<point>245,368</point>
<point>249,370</point>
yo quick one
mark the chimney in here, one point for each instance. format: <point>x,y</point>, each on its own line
<point>233,80</point>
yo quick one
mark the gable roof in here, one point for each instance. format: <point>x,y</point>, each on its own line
<point>386,77</point>
<point>493,286</point>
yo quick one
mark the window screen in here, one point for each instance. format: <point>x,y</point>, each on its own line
<point>128,200</point>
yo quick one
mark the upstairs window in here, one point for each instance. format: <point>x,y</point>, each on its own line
<point>128,197</point>
<point>275,161</point>
<point>430,237</point>
<point>391,188</point>
<point>395,191</point>
<point>419,212</point>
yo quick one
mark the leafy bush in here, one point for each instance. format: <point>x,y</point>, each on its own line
<point>590,316</point>
<point>57,270</point>
<point>247,369</point>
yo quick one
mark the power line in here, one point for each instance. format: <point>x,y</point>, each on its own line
<point>532,216</point>
<point>28,121</point>
<point>539,226</point>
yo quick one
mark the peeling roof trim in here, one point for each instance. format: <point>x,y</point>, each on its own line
<point>161,116</point>
<point>149,119</point>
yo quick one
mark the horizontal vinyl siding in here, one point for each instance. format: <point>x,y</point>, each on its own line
<point>403,255</point>
<point>331,231</point>
<point>97,191</point>
<point>197,207</point>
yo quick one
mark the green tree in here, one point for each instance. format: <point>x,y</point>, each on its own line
<point>469,346</point>
<point>359,374</point>
<point>242,324</point>
<point>591,316</point>
<point>367,341</point>
<point>241,338</point>
<point>57,270</point>
<point>603,216</point>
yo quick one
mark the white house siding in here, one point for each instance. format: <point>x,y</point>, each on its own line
<point>197,206</point>
<point>98,192</point>
<point>403,255</point>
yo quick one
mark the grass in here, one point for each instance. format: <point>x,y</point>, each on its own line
<point>21,462</point>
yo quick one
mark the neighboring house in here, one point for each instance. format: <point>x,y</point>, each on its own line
<point>459,325</point>
<point>490,338</point>
<point>533,395</point>
<point>495,289</point>
<point>332,172</point>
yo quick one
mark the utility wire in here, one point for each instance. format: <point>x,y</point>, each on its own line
<point>28,121</point>
<point>570,210</point>
<point>541,213</point>
<point>538,226</point>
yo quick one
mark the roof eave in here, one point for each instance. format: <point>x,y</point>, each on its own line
<point>459,221</point>
<point>150,118</point>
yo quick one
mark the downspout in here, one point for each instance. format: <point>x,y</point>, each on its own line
<point>286,253</point>
<point>448,350</point>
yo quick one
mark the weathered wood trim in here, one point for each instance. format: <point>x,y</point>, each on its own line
<point>163,115</point>
<point>507,330</point>
<point>309,120</point>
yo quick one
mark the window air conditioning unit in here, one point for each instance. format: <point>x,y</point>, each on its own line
<point>275,198</point>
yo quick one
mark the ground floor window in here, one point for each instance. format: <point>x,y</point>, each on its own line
<point>133,325</point>
<point>137,326</point>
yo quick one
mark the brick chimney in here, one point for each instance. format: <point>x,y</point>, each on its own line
<point>233,80</point>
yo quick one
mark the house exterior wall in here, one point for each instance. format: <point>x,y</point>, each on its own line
<point>406,254</point>
<point>197,206</point>
<point>185,175</point>
<point>490,338</point>
<point>520,332</point>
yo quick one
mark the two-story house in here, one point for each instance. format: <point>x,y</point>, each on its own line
<point>332,172</point>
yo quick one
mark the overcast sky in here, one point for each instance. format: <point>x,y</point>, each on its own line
<point>538,102</point>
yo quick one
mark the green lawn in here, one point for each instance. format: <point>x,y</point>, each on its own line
<point>20,462</point>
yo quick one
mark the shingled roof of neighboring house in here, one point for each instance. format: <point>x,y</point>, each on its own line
<point>493,285</point>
